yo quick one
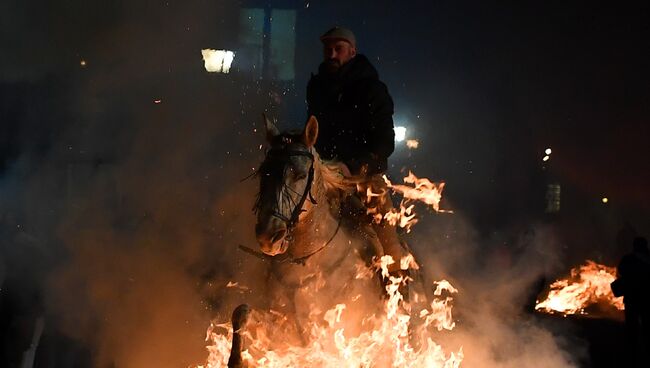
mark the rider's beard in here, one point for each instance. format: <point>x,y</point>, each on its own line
<point>332,66</point>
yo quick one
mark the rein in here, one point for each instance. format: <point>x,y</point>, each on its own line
<point>285,257</point>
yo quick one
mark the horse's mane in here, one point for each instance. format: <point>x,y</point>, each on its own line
<point>334,179</point>
<point>332,175</point>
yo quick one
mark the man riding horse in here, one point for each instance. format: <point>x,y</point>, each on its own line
<point>355,115</point>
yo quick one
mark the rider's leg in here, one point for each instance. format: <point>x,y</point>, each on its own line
<point>388,237</point>
<point>386,232</point>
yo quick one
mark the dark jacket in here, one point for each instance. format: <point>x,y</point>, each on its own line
<point>355,115</point>
<point>634,273</point>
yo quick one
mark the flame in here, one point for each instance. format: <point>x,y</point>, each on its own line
<point>404,217</point>
<point>588,284</point>
<point>384,342</point>
<point>423,190</point>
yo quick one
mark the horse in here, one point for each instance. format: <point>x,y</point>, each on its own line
<point>316,259</point>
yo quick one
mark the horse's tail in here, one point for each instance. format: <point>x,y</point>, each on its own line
<point>239,320</point>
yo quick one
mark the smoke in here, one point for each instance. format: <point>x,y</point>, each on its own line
<point>122,229</point>
<point>141,270</point>
<point>498,279</point>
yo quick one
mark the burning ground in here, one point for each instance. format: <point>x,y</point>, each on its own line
<point>492,328</point>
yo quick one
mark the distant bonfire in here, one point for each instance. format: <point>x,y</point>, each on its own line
<point>588,285</point>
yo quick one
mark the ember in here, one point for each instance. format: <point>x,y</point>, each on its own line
<point>588,284</point>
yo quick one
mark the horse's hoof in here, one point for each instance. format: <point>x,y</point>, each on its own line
<point>240,317</point>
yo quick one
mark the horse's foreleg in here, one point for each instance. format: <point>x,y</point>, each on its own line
<point>239,320</point>
<point>296,319</point>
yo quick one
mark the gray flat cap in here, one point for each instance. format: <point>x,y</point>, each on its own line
<point>340,33</point>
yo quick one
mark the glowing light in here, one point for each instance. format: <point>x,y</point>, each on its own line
<point>400,133</point>
<point>548,151</point>
<point>82,63</point>
<point>605,199</point>
<point>157,101</point>
<point>217,61</point>
<point>412,143</point>
<point>546,158</point>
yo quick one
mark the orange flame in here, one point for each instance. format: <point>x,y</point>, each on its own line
<point>588,284</point>
<point>423,190</point>
<point>385,340</point>
<point>404,217</point>
<point>385,344</point>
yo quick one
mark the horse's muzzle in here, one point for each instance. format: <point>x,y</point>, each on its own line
<point>271,236</point>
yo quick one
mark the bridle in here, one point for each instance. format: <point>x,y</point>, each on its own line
<point>282,152</point>
<point>298,209</point>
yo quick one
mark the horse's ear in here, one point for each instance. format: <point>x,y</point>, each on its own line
<point>271,130</point>
<point>310,134</point>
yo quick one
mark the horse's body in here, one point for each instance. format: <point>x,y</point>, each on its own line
<point>316,260</point>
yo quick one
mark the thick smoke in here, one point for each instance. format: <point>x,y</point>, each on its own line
<point>122,231</point>
<point>498,280</point>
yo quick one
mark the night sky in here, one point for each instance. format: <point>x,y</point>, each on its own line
<point>485,88</point>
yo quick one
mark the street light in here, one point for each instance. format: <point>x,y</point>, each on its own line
<point>217,61</point>
<point>400,133</point>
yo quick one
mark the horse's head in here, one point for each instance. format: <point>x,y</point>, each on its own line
<point>286,176</point>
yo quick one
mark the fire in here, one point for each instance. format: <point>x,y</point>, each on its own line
<point>404,217</point>
<point>588,284</point>
<point>385,342</point>
<point>423,190</point>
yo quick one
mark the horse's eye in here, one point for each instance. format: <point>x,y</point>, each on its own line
<point>301,176</point>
